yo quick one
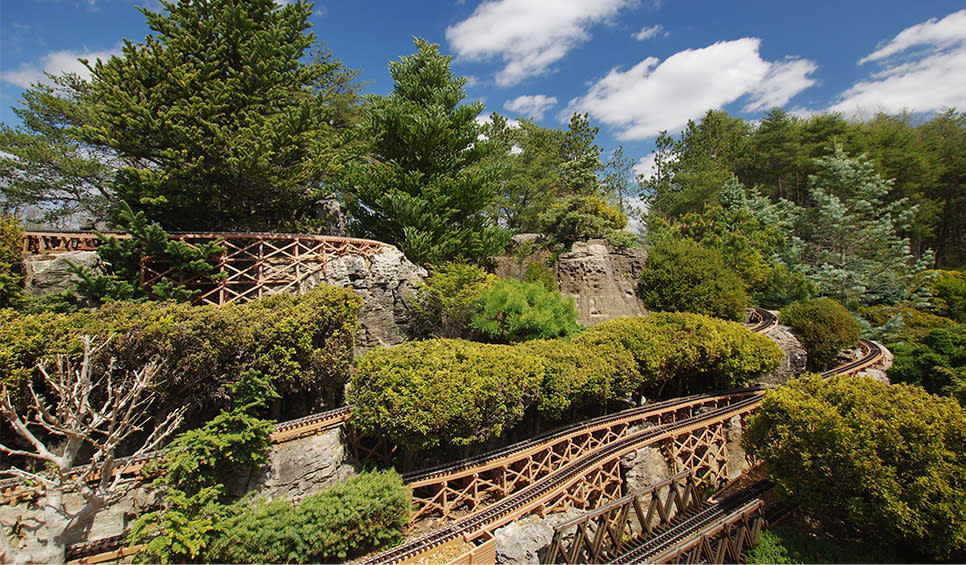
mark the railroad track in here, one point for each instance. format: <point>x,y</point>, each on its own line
<point>535,496</point>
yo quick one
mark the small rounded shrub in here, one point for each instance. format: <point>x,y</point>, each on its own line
<point>511,311</point>
<point>683,276</point>
<point>824,328</point>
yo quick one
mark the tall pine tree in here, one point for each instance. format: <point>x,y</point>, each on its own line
<point>227,126</point>
<point>426,184</point>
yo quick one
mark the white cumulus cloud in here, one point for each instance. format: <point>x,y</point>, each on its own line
<point>528,35</point>
<point>652,95</point>
<point>54,63</point>
<point>922,69</point>
<point>648,32</point>
<point>530,106</point>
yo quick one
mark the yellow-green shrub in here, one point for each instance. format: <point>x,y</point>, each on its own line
<point>887,459</point>
<point>303,344</point>
<point>443,391</point>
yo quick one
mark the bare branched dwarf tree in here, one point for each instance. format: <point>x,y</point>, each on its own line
<point>73,431</point>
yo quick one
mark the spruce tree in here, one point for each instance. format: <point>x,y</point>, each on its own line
<point>227,127</point>
<point>426,183</point>
<point>853,251</point>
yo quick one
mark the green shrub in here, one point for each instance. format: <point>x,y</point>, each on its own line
<point>11,241</point>
<point>194,473</point>
<point>443,392</point>
<point>364,514</point>
<point>949,294</point>
<point>780,286</point>
<point>934,362</point>
<point>511,311</point>
<point>447,299</point>
<point>823,326</point>
<point>578,218</point>
<point>302,344</point>
<point>621,238</point>
<point>683,352</point>
<point>574,376</point>
<point>683,276</point>
<point>888,460</point>
<point>537,272</point>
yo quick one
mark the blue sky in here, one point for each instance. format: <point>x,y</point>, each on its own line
<point>636,66</point>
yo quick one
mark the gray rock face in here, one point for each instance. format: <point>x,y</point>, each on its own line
<point>50,273</point>
<point>795,357</point>
<point>527,540</point>
<point>644,468</point>
<point>304,466</point>
<point>29,533</point>
<point>602,279</point>
<point>385,283</point>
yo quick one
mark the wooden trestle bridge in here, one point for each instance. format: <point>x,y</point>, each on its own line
<point>253,265</point>
<point>574,467</point>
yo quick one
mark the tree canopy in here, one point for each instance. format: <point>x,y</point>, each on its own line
<point>425,183</point>
<point>222,124</point>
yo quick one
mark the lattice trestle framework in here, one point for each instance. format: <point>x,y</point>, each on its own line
<point>449,496</point>
<point>453,494</point>
<point>705,449</point>
<point>608,531</point>
<point>727,541</point>
<point>252,266</point>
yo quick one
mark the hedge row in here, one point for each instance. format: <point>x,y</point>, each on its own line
<point>303,344</point>
<point>453,392</point>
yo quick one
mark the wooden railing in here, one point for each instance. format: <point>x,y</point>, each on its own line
<point>252,265</point>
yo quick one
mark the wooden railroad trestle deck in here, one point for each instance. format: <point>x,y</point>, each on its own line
<point>252,265</point>
<point>449,493</point>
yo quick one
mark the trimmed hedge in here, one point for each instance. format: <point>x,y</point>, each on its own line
<point>302,344</point>
<point>424,394</point>
<point>439,392</point>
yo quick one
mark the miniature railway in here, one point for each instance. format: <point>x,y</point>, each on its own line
<point>573,466</point>
<point>553,490</point>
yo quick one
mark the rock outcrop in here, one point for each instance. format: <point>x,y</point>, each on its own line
<point>50,273</point>
<point>303,466</point>
<point>527,540</point>
<point>644,468</point>
<point>603,279</point>
<point>384,282</point>
<point>795,357</point>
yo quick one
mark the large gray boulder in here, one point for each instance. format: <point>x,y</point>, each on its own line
<point>603,280</point>
<point>527,540</point>
<point>795,357</point>
<point>386,282</point>
<point>50,273</point>
<point>300,467</point>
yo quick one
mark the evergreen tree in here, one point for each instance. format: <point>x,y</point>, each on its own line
<point>226,126</point>
<point>853,252</point>
<point>427,182</point>
<point>45,166</point>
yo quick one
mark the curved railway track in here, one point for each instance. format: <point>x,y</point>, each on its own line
<point>530,498</point>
